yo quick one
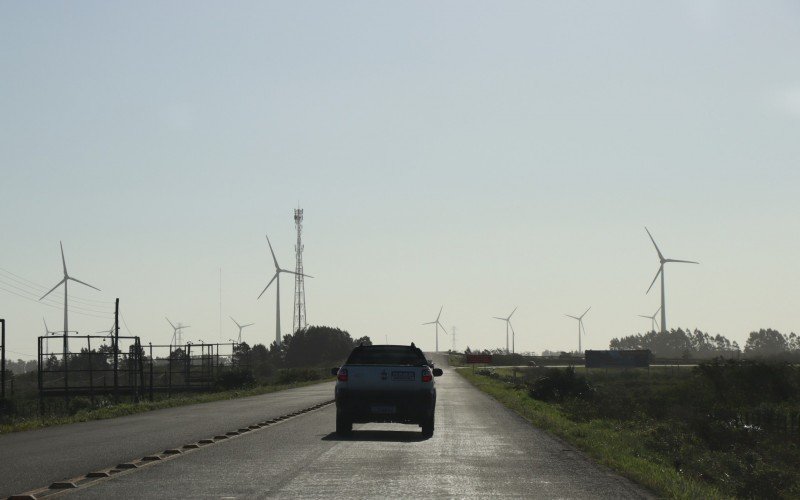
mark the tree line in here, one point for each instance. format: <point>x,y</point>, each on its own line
<point>312,347</point>
<point>680,343</point>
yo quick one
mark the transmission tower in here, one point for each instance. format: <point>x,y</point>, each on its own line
<point>299,321</point>
<point>454,339</point>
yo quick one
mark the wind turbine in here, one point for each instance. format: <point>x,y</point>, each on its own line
<point>64,280</point>
<point>580,327</point>
<point>176,331</point>
<point>47,333</point>
<point>652,318</point>
<point>241,327</point>
<point>438,324</point>
<point>47,330</point>
<point>508,324</point>
<point>277,278</point>
<point>661,272</point>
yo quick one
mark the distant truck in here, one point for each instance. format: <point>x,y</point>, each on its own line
<point>386,383</point>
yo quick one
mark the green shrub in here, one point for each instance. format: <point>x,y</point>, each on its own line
<point>558,384</point>
<point>291,375</point>
<point>237,378</point>
<point>79,403</point>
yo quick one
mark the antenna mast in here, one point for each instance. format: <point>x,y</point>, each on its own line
<point>299,321</point>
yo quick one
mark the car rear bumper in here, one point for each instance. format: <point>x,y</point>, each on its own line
<point>410,407</point>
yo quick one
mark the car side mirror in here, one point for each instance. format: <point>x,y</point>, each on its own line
<point>335,371</point>
<point>437,372</point>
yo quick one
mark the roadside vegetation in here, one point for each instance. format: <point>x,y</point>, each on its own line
<point>81,409</point>
<point>720,429</point>
<point>303,358</point>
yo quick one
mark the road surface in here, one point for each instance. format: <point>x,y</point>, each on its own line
<point>36,458</point>
<point>479,449</point>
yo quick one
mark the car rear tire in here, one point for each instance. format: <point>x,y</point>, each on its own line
<point>427,427</point>
<point>344,425</point>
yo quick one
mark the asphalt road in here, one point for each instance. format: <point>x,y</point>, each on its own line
<point>33,459</point>
<point>479,449</point>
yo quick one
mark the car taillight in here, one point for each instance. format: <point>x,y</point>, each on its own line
<point>426,376</point>
<point>342,375</point>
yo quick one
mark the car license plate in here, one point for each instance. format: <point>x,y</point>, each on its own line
<point>403,376</point>
<point>383,409</point>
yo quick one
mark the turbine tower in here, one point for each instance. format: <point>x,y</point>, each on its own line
<point>438,324</point>
<point>64,280</point>
<point>241,327</point>
<point>663,261</point>
<point>508,325</point>
<point>277,278</point>
<point>299,321</point>
<point>654,324</point>
<point>580,327</point>
<point>47,333</point>
<point>176,332</point>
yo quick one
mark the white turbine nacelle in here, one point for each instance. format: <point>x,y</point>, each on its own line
<point>277,278</point>
<point>580,327</point>
<point>438,324</point>
<point>654,323</point>
<point>241,327</point>
<point>509,325</point>
<point>176,331</point>
<point>660,271</point>
<point>64,281</point>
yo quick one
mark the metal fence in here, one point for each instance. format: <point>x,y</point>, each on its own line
<point>188,367</point>
<point>90,365</point>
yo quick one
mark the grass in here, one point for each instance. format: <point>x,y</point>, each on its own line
<point>122,409</point>
<point>617,445</point>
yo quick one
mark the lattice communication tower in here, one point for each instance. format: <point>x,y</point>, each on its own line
<point>299,321</point>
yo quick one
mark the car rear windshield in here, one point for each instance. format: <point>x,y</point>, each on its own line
<point>386,356</point>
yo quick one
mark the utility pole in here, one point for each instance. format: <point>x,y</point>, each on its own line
<point>2,361</point>
<point>299,321</point>
<point>116,348</point>
<point>454,338</point>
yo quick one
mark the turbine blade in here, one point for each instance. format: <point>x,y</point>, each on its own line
<point>443,328</point>
<point>660,269</point>
<point>501,319</point>
<point>63,260</point>
<point>429,323</point>
<point>170,322</point>
<point>265,288</point>
<point>583,327</point>
<point>58,285</point>
<point>584,312</point>
<point>683,261</point>
<point>248,324</point>
<point>82,283</point>
<point>440,313</point>
<point>292,272</point>
<point>643,316</point>
<point>660,257</point>
<point>512,312</point>
<point>234,321</point>
<point>273,254</point>
<point>573,317</point>
<point>512,328</point>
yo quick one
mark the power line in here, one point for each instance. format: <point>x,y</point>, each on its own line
<point>51,300</point>
<point>126,325</point>
<point>21,353</point>
<point>24,281</point>
<point>54,305</point>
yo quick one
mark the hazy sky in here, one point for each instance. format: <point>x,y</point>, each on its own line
<point>476,155</point>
